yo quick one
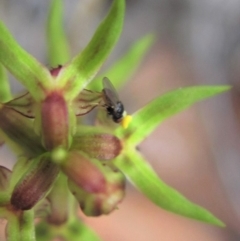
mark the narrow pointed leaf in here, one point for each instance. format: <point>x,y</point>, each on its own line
<point>141,174</point>
<point>5,92</point>
<point>122,70</point>
<point>58,50</point>
<point>84,66</point>
<point>149,117</point>
<point>34,76</point>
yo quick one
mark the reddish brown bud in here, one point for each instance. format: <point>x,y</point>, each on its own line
<point>95,204</point>
<point>35,183</point>
<point>84,172</point>
<point>55,121</point>
<point>101,146</point>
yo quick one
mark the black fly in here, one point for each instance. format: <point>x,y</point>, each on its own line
<point>112,103</point>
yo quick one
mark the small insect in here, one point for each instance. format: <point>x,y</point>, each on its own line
<point>113,105</point>
<point>111,100</point>
<point>108,98</point>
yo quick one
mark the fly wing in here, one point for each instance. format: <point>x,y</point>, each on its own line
<point>110,94</point>
<point>23,104</point>
<point>86,101</point>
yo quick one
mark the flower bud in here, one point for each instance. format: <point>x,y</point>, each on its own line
<point>101,146</point>
<point>35,183</point>
<point>84,172</point>
<point>55,124</point>
<point>101,201</point>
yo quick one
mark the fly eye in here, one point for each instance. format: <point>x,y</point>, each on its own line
<point>119,108</point>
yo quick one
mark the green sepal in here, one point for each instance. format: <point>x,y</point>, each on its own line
<point>32,74</point>
<point>85,66</point>
<point>149,117</point>
<point>58,50</point>
<point>22,164</point>
<point>141,175</point>
<point>123,69</point>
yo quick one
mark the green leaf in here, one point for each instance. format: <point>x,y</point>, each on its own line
<point>149,117</point>
<point>5,92</point>
<point>141,174</point>
<point>122,70</point>
<point>34,76</point>
<point>84,66</point>
<point>58,51</point>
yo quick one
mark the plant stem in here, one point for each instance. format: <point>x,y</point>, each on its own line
<point>20,226</point>
<point>5,93</point>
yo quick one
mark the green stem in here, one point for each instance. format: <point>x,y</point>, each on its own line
<point>20,226</point>
<point>5,93</point>
<point>59,199</point>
